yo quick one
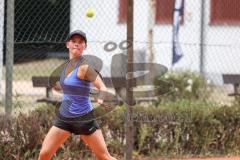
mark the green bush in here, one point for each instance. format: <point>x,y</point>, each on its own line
<point>21,136</point>
<point>182,85</point>
<point>180,128</point>
<point>189,128</point>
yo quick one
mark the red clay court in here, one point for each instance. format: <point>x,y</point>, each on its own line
<point>212,158</point>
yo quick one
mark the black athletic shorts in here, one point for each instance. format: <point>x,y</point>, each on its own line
<point>82,125</point>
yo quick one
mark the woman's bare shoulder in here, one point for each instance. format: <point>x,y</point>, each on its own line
<point>82,71</point>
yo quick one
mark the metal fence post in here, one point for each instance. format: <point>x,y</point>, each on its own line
<point>202,38</point>
<point>9,55</point>
<point>129,121</point>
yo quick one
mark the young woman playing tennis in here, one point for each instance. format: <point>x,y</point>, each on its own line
<point>76,111</point>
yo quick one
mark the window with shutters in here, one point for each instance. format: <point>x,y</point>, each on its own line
<point>225,12</point>
<point>122,14</point>
<point>164,11</point>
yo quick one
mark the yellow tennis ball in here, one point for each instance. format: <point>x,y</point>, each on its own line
<point>90,12</point>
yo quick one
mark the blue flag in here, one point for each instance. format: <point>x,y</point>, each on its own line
<point>177,15</point>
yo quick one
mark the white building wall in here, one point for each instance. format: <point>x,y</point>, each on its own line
<point>100,29</point>
<point>189,37</point>
<point>223,54</point>
<point>222,42</point>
